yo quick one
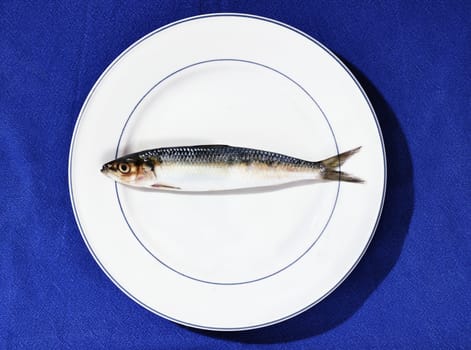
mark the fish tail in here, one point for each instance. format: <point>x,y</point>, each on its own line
<point>328,167</point>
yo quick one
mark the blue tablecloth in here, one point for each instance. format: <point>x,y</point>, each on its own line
<point>412,288</point>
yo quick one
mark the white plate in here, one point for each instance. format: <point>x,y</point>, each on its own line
<point>235,260</point>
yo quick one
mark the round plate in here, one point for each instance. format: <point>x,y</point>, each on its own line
<point>240,259</point>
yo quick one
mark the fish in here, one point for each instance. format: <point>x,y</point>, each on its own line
<point>203,168</point>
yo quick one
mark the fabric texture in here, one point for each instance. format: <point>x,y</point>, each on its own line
<point>411,289</point>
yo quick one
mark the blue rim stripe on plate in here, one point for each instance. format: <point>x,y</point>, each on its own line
<point>188,20</point>
<point>147,94</point>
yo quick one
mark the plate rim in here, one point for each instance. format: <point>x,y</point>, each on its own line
<point>198,17</point>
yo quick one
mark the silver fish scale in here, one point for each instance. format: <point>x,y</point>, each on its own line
<point>221,154</point>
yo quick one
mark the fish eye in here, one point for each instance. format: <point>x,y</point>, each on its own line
<point>124,168</point>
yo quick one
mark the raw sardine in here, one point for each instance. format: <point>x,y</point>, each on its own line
<point>221,167</point>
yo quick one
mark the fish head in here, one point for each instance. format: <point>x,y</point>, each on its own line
<point>130,170</point>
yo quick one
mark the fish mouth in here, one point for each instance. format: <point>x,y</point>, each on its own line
<point>105,168</point>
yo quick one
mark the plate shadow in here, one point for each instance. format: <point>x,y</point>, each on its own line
<point>380,257</point>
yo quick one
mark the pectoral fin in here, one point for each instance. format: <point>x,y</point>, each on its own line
<point>165,187</point>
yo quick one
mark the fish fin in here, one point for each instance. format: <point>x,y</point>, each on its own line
<point>328,166</point>
<point>165,187</point>
<point>335,175</point>
<point>338,160</point>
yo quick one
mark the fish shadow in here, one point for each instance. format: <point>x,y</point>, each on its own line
<point>238,191</point>
<point>380,257</point>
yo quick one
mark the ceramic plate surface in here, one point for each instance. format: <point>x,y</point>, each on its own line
<point>240,259</point>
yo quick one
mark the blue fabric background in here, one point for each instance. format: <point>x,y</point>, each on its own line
<point>412,288</point>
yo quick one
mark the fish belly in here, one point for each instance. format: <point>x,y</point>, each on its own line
<point>208,177</point>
